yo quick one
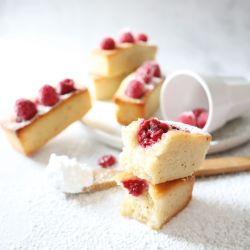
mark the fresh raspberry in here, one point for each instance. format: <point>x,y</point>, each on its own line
<point>66,86</point>
<point>187,117</point>
<point>135,89</point>
<point>142,37</point>
<point>126,37</point>
<point>156,69</point>
<point>198,111</point>
<point>202,119</point>
<point>48,96</point>
<point>144,73</point>
<point>108,43</point>
<point>136,186</point>
<point>25,110</point>
<point>106,161</point>
<point>151,131</point>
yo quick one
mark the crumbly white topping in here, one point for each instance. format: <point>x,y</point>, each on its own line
<point>67,175</point>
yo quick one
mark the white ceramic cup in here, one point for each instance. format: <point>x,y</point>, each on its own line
<point>226,98</point>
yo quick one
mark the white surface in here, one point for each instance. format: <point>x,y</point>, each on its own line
<point>45,41</point>
<point>68,175</point>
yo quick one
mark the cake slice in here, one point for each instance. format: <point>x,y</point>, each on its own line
<point>124,58</point>
<point>36,122</point>
<point>160,151</point>
<point>151,204</point>
<point>138,95</point>
<point>103,87</point>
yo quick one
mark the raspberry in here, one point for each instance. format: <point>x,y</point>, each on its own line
<point>66,86</point>
<point>187,118</point>
<point>25,110</point>
<point>136,186</point>
<point>198,111</point>
<point>145,73</point>
<point>48,96</point>
<point>106,161</point>
<point>108,43</point>
<point>142,37</point>
<point>156,69</point>
<point>126,37</point>
<point>151,131</point>
<point>135,89</point>
<point>202,119</point>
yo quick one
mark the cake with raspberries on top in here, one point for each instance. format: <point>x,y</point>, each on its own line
<point>138,94</point>
<point>114,60</point>
<point>36,121</point>
<point>162,151</point>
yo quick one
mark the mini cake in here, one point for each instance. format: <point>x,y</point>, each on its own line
<point>151,204</point>
<point>162,151</point>
<point>138,95</point>
<point>36,122</point>
<point>116,58</point>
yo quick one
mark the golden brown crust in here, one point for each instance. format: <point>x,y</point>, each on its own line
<point>99,186</point>
<point>160,190</point>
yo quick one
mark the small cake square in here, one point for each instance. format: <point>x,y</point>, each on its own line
<point>151,204</point>
<point>138,94</point>
<point>160,151</point>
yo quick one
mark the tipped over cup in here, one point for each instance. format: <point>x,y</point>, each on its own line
<point>225,98</point>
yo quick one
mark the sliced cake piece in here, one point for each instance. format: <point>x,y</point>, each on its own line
<point>162,151</point>
<point>151,204</point>
<point>103,87</point>
<point>35,123</point>
<point>138,95</point>
<point>125,55</point>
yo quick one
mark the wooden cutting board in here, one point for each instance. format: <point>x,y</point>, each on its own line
<point>223,165</point>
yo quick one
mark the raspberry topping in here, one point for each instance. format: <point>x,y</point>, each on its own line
<point>108,43</point>
<point>106,161</point>
<point>126,37</point>
<point>156,69</point>
<point>187,118</point>
<point>136,186</point>
<point>198,111</point>
<point>135,89</point>
<point>150,132</point>
<point>25,110</point>
<point>145,73</point>
<point>142,37</point>
<point>202,119</point>
<point>66,86</point>
<point>48,96</point>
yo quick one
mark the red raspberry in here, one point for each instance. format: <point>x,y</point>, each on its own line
<point>151,131</point>
<point>136,186</point>
<point>145,73</point>
<point>48,96</point>
<point>142,37</point>
<point>126,37</point>
<point>66,86</point>
<point>187,118</point>
<point>202,119</point>
<point>156,69</point>
<point>25,110</point>
<point>135,89</point>
<point>198,111</point>
<point>108,43</point>
<point>106,161</point>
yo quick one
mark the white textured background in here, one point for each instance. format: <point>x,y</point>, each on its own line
<point>45,41</point>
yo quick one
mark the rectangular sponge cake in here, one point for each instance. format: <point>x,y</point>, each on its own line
<point>159,203</point>
<point>177,154</point>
